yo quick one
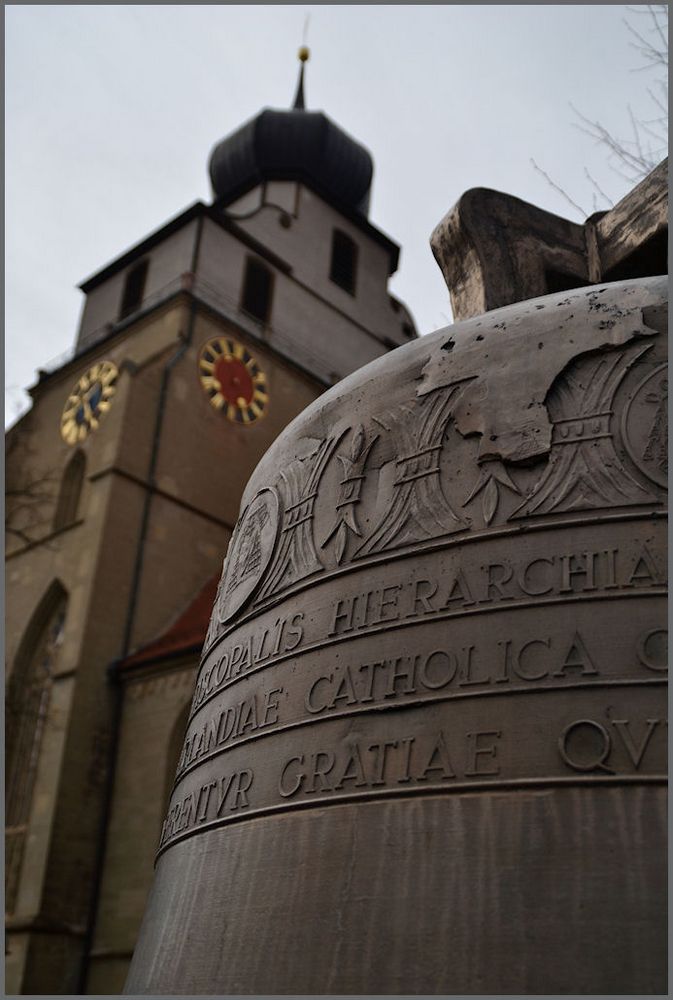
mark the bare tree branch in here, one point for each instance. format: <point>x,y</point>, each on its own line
<point>656,54</point>
<point>634,158</point>
<point>557,187</point>
<point>594,183</point>
<point>30,492</point>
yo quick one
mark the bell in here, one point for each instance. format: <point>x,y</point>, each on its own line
<point>427,747</point>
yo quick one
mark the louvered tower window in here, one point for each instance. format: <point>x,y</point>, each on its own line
<point>344,261</point>
<point>134,288</point>
<point>257,290</point>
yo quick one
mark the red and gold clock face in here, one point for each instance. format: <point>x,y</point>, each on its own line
<point>233,380</point>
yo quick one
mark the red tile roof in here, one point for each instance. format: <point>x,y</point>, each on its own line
<point>185,635</point>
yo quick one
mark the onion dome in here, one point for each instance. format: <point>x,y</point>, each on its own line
<point>293,145</point>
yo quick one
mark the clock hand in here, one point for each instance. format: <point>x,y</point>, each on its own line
<point>92,399</point>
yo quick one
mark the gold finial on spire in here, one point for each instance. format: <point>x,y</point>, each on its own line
<point>303,55</point>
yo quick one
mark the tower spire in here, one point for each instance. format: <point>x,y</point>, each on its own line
<point>303,56</point>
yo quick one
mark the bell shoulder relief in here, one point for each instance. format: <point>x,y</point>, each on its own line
<point>427,745</point>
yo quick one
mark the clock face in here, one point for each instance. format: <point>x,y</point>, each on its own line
<point>88,401</point>
<point>233,380</point>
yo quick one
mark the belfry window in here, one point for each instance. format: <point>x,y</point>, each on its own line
<point>257,290</point>
<point>344,261</point>
<point>134,288</point>
<point>70,492</point>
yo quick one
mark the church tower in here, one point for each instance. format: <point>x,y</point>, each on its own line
<point>195,348</point>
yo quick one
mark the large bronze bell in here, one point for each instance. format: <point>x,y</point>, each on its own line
<point>427,749</point>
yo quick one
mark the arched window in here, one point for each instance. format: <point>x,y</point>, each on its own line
<point>70,492</point>
<point>27,704</point>
<point>257,290</point>
<point>344,261</point>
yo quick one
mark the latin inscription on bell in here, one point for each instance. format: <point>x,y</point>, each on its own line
<point>438,640</point>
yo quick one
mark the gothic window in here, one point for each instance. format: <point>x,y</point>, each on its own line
<point>257,290</point>
<point>70,492</point>
<point>134,288</point>
<point>27,704</point>
<point>344,261</point>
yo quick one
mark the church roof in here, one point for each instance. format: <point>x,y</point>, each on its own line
<point>295,144</point>
<point>185,635</point>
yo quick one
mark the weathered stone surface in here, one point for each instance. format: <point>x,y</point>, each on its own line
<point>427,745</point>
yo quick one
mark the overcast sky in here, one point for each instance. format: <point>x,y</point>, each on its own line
<point>112,111</point>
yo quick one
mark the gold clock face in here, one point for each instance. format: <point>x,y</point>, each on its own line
<point>233,380</point>
<point>88,401</point>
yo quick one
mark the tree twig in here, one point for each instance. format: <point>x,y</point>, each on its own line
<point>558,188</point>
